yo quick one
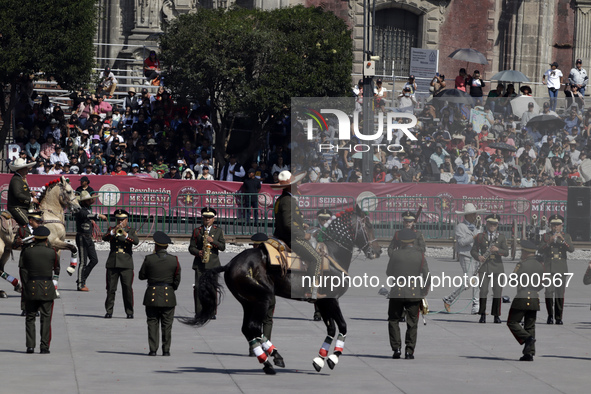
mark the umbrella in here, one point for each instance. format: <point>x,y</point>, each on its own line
<point>454,96</point>
<point>502,146</point>
<point>510,76</point>
<point>546,122</point>
<point>469,55</point>
<point>520,104</point>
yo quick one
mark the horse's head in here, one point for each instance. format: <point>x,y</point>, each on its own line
<point>364,235</point>
<point>67,195</point>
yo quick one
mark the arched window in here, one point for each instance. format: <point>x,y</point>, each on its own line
<point>396,31</point>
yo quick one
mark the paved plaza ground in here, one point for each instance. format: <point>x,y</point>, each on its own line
<point>454,353</point>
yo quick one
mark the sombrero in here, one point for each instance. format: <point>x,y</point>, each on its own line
<point>287,179</point>
<point>19,164</point>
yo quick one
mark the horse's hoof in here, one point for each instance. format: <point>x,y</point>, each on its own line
<point>268,368</point>
<point>3,294</point>
<point>277,359</point>
<point>318,363</point>
<point>332,361</point>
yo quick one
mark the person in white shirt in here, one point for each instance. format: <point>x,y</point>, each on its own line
<point>279,166</point>
<point>553,78</point>
<point>58,155</point>
<point>108,81</point>
<point>232,171</point>
<point>205,175</point>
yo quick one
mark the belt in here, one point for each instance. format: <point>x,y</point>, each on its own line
<point>159,284</point>
<point>557,256</point>
<point>40,278</point>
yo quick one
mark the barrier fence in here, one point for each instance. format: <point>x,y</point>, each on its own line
<point>152,211</point>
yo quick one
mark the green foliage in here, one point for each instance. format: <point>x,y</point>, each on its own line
<point>253,62</point>
<point>51,36</point>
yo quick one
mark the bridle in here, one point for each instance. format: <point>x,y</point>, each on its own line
<point>360,226</point>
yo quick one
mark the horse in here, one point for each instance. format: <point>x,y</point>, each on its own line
<point>54,198</point>
<point>253,283</point>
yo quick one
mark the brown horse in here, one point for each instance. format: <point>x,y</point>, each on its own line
<point>254,284</point>
<point>55,197</point>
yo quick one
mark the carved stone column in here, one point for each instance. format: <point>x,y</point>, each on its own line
<point>582,48</point>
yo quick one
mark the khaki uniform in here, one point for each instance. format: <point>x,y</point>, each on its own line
<point>195,245</point>
<point>163,273</point>
<point>120,268</point>
<point>555,263</point>
<point>19,199</point>
<point>526,303</point>
<point>404,263</point>
<point>38,264</point>
<point>494,265</point>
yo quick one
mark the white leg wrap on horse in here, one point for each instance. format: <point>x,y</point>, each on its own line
<point>340,343</point>
<point>325,346</point>
<point>268,346</point>
<point>258,350</point>
<point>9,278</point>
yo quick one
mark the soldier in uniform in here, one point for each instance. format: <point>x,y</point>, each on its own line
<point>84,242</point>
<point>163,273</point>
<point>406,295</point>
<point>290,227</point>
<point>408,221</point>
<point>488,249</point>
<point>553,247</point>
<point>38,263</point>
<point>526,303</point>
<point>24,239</point>
<point>19,195</point>
<point>120,263</point>
<point>208,239</point>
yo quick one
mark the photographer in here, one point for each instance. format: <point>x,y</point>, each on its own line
<point>437,84</point>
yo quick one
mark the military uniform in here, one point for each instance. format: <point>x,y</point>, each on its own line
<point>404,263</point>
<point>163,273</point>
<point>419,241</point>
<point>555,263</point>
<point>19,199</point>
<point>493,264</point>
<point>38,263</point>
<point>526,303</point>
<point>24,235</point>
<point>196,245</point>
<point>120,267</point>
<point>85,244</point>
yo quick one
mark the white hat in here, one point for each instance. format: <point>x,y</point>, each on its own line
<point>286,179</point>
<point>84,195</point>
<point>470,208</point>
<point>19,164</point>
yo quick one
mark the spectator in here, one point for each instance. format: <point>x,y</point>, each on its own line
<point>150,170</point>
<point>232,171</point>
<point>437,84</point>
<point>152,69</point>
<point>118,169</point>
<point>407,173</point>
<point>460,176</point>
<point>406,101</point>
<point>553,79</point>
<point>102,108</point>
<point>461,80</point>
<point>135,170</point>
<point>173,173</point>
<point>188,175</point>
<point>393,176</point>
<point>578,77</point>
<point>206,176</point>
<point>108,82</point>
<point>476,84</point>
<point>494,96</point>
<point>33,149</point>
<point>58,156</point>
<point>379,175</point>
<point>279,166</point>
<point>56,169</point>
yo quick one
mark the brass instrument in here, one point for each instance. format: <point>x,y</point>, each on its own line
<point>488,252</point>
<point>206,247</point>
<point>544,222</point>
<point>534,218</point>
<point>119,231</point>
<point>478,221</point>
<point>424,308</point>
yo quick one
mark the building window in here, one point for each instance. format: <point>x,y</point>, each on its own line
<point>396,32</point>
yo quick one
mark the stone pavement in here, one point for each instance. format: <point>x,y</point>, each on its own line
<point>454,353</point>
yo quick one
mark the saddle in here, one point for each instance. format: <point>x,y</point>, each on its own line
<point>7,224</point>
<point>281,256</point>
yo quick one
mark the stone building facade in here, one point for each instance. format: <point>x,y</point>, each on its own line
<point>524,35</point>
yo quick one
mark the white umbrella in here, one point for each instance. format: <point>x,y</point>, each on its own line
<point>510,76</point>
<point>520,104</point>
<point>469,55</point>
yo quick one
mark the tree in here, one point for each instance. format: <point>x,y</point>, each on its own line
<point>53,37</point>
<point>252,62</point>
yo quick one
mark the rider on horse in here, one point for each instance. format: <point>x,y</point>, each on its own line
<point>289,227</point>
<point>19,195</point>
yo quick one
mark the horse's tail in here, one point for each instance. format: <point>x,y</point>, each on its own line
<point>210,295</point>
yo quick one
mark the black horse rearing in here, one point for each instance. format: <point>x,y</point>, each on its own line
<point>253,283</point>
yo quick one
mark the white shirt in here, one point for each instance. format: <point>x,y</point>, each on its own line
<point>62,158</point>
<point>553,77</point>
<point>239,172</point>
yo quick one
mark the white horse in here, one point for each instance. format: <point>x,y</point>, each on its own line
<point>54,198</point>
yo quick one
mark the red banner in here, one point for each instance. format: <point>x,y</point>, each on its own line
<point>178,196</point>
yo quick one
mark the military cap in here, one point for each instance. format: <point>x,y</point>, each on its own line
<point>161,238</point>
<point>528,245</point>
<point>324,213</point>
<point>41,232</point>
<point>408,215</point>
<point>37,215</point>
<point>120,214</point>
<point>407,235</point>
<point>556,219</point>
<point>493,218</point>
<point>259,238</point>
<point>208,212</point>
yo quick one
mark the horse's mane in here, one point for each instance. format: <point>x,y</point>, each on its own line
<point>339,226</point>
<point>47,187</point>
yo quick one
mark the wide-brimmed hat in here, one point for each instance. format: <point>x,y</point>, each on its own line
<point>287,179</point>
<point>85,196</point>
<point>470,208</point>
<point>19,164</point>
